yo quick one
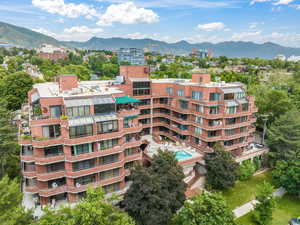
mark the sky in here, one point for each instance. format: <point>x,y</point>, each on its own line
<point>167,20</point>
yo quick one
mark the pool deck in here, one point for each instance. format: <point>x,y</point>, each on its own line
<point>153,147</point>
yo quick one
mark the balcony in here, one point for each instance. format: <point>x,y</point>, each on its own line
<point>51,175</point>
<point>134,157</point>
<point>44,120</point>
<point>128,112</point>
<point>31,189</point>
<point>50,159</point>
<point>53,191</point>
<point>29,171</point>
<point>42,142</point>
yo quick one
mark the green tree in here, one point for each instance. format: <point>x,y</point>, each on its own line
<point>110,70</point>
<point>9,148</point>
<point>82,72</point>
<point>263,210</point>
<point>14,89</point>
<point>3,73</point>
<point>12,212</point>
<point>284,136</point>
<point>206,208</point>
<point>1,59</point>
<point>247,169</point>
<point>94,209</point>
<point>157,192</point>
<point>287,174</point>
<point>222,170</point>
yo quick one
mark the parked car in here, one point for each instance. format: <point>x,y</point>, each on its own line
<point>295,221</point>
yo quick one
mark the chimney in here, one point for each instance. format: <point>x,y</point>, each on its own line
<point>67,82</point>
<point>201,78</point>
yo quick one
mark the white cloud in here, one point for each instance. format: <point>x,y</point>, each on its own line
<point>211,26</point>
<point>65,9</point>
<point>127,13</point>
<point>60,20</point>
<point>283,2</point>
<point>76,33</point>
<point>259,1</point>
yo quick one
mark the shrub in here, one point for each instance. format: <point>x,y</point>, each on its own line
<point>247,169</point>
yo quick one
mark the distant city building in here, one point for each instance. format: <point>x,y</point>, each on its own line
<point>199,53</point>
<point>32,70</point>
<point>281,57</point>
<point>135,56</point>
<point>293,58</point>
<point>51,52</point>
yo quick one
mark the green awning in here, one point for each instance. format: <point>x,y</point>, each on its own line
<point>130,117</point>
<point>125,100</point>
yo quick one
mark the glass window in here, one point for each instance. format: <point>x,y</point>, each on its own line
<point>109,159</point>
<point>198,130</point>
<point>199,108</point>
<point>104,108</point>
<point>240,95</point>
<point>214,96</point>
<point>130,151</point>
<point>244,119</point>
<point>180,92</point>
<point>170,91</point>
<point>198,119</point>
<point>83,165</point>
<point>214,110</point>
<point>81,131</point>
<point>243,129</point>
<point>52,131</point>
<point>230,121</point>
<point>85,180</point>
<point>55,167</point>
<point>183,104</point>
<point>55,111</point>
<point>109,174</point>
<point>78,111</point>
<point>231,109</point>
<point>111,188</point>
<point>82,149</point>
<point>107,126</point>
<point>245,107</point>
<point>230,132</point>
<point>196,95</point>
<point>54,151</point>
<point>108,144</point>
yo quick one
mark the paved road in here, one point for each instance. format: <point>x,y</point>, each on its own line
<point>248,207</point>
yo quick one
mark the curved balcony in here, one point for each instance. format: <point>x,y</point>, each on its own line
<point>29,174</point>
<point>44,142</point>
<point>31,189</point>
<point>51,175</point>
<point>237,125</point>
<point>235,146</point>
<point>25,140</point>
<point>27,158</point>
<point>44,120</point>
<point>235,136</point>
<point>49,160</point>
<point>53,191</point>
<point>134,157</point>
<point>125,113</point>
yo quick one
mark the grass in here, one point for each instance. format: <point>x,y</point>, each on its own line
<point>244,191</point>
<point>287,207</point>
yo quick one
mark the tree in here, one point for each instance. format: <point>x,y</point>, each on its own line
<point>287,174</point>
<point>3,73</point>
<point>1,59</point>
<point>14,89</point>
<point>82,72</point>
<point>156,192</point>
<point>222,170</point>
<point>12,212</point>
<point>263,210</point>
<point>9,148</point>
<point>247,169</point>
<point>284,136</point>
<point>110,70</point>
<point>206,208</point>
<point>94,209</point>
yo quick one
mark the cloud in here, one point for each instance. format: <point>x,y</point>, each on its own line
<point>76,33</point>
<point>70,10</point>
<point>211,26</point>
<point>166,38</point>
<point>60,20</point>
<point>127,13</point>
<point>259,1</point>
<point>283,2</point>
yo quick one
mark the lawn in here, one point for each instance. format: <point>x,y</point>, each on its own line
<point>244,191</point>
<point>287,208</point>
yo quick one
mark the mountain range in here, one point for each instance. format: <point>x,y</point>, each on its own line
<point>27,38</point>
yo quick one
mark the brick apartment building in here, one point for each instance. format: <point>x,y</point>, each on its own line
<point>75,134</point>
<point>51,52</point>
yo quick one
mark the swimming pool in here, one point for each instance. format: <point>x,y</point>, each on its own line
<point>181,155</point>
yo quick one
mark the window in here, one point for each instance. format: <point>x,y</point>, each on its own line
<point>231,109</point>
<point>104,108</point>
<point>183,104</point>
<point>243,129</point>
<point>78,111</point>
<point>139,92</point>
<point>163,101</point>
<point>240,95</point>
<point>145,111</point>
<point>130,151</point>
<point>230,132</point>
<point>170,91</point>
<point>228,143</point>
<point>54,151</point>
<point>130,165</point>
<point>212,133</point>
<point>214,96</point>
<point>107,126</point>
<point>56,182</point>
<point>214,110</point>
<point>81,131</point>
<point>109,159</point>
<point>85,180</point>
<point>199,119</point>
<point>242,139</point>
<point>82,149</point>
<point>180,92</point>
<point>244,119</point>
<point>111,188</point>
<point>55,167</point>
<point>245,107</point>
<point>230,121</point>
<point>196,95</point>
<point>198,130</point>
<point>27,150</point>
<point>83,165</point>
<point>127,123</point>
<point>109,174</point>
<point>197,141</point>
<point>107,144</point>
<point>213,123</point>
<point>52,131</point>
<point>199,108</point>
<point>229,96</point>
<point>141,84</point>
<point>55,111</point>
